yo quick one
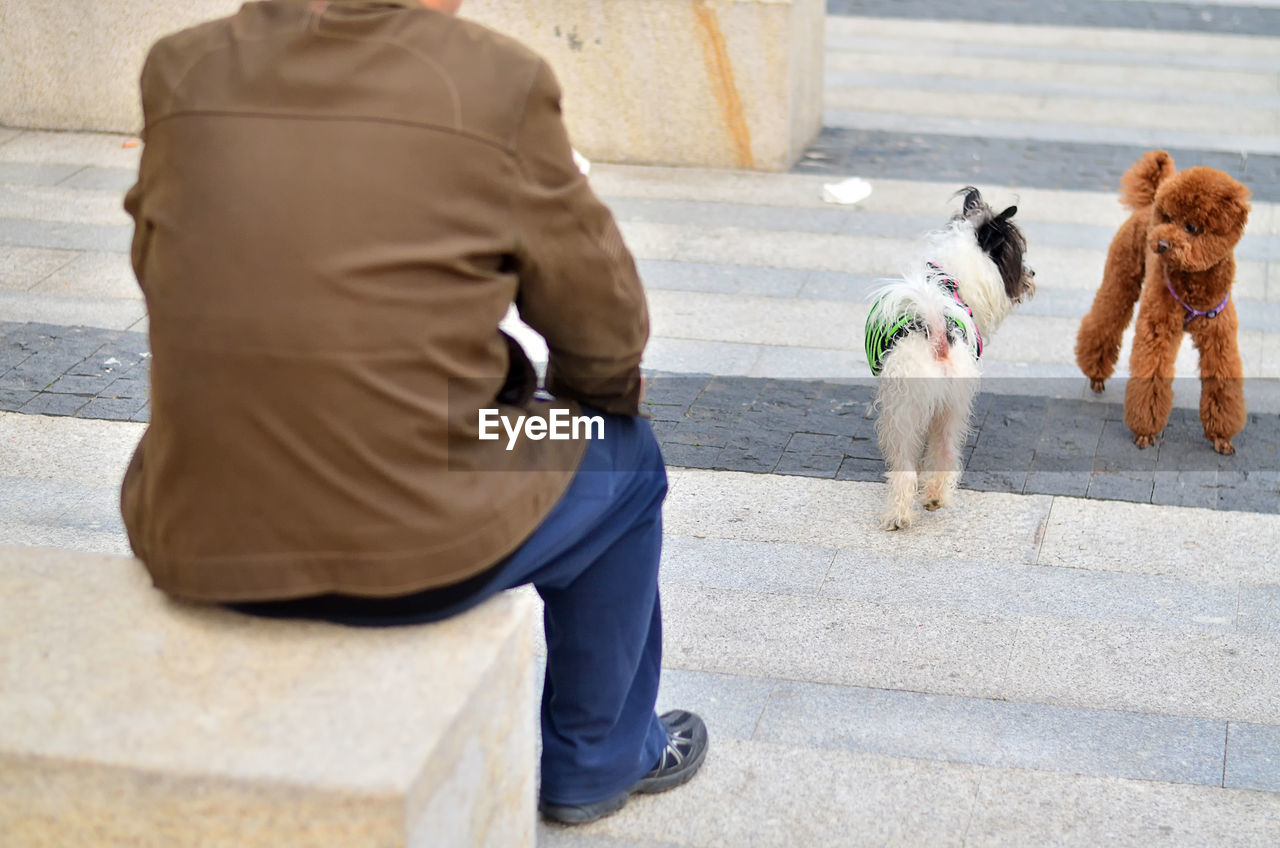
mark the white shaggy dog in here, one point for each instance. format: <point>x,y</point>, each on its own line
<point>924,335</point>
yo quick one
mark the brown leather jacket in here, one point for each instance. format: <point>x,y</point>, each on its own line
<point>336,205</point>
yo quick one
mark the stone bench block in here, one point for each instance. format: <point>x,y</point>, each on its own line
<point>127,719</point>
<point>711,83</point>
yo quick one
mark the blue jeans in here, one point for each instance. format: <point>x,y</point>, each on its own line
<point>594,560</point>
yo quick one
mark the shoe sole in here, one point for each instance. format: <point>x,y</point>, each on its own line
<point>586,812</point>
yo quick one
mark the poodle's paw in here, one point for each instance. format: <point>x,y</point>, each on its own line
<point>896,520</point>
<point>1224,446</point>
<point>1144,441</point>
<point>1098,385</point>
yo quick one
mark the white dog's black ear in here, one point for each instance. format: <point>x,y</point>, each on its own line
<point>972,200</point>
<point>1008,213</point>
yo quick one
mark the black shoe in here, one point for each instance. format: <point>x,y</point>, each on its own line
<point>687,744</point>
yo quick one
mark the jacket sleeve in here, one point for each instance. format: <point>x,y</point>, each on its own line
<point>578,284</point>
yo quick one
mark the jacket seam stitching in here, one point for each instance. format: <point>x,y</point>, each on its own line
<point>299,116</point>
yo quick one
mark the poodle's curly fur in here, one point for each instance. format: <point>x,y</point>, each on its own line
<point>1181,236</point>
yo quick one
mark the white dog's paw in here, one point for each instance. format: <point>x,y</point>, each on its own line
<point>896,521</point>
<point>936,498</point>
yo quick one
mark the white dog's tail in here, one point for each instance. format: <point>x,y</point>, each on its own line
<point>1138,185</point>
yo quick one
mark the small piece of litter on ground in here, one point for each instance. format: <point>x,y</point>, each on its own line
<point>581,161</point>
<point>130,143</point>
<point>848,192</point>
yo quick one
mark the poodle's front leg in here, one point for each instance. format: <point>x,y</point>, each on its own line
<point>1101,331</point>
<point>1149,395</point>
<point>1222,409</point>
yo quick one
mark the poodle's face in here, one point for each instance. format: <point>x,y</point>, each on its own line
<point>1197,218</point>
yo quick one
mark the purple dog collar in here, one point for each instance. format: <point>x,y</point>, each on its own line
<point>1192,312</point>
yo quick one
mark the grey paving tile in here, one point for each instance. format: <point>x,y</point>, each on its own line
<point>111,409</point>
<point>39,370</point>
<point>753,450</point>
<point>1202,545</point>
<point>80,385</point>
<point>1253,757</point>
<point>699,433</point>
<point>1259,609</point>
<point>848,799</point>
<point>70,310</point>
<point>35,174</point>
<point>1070,483</point>
<point>1021,735</point>
<point>811,363</point>
<point>96,510</point>
<point>700,357</point>
<point>691,456</point>
<point>23,267</point>
<point>718,214</point>
<point>1119,486</point>
<point>1132,667</point>
<point>984,480</point>
<point>671,388</point>
<point>739,564</point>
<point>820,444</point>
<point>809,465</point>
<point>980,588</point>
<point>731,705</point>
<point>863,470</point>
<point>980,159</point>
<point>1240,19</point>
<point>1186,488</point>
<point>1015,808</point>
<point>64,236</point>
<point>726,279</point>
<point>836,285</point>
<point>95,178</point>
<point>563,836</point>
<point>53,536</point>
<point>1251,492</point>
<point>52,404</point>
<point>27,500</point>
<point>832,640</point>
<point>11,400</point>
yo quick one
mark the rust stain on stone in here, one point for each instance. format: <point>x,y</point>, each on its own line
<point>720,71</point>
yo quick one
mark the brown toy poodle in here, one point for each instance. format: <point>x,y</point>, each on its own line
<point>1175,251</point>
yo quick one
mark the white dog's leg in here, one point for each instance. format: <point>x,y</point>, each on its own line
<point>901,433</point>
<point>947,433</point>
<point>942,459</point>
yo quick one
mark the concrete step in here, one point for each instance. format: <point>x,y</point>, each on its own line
<point>1184,90</point>
<point>766,794</point>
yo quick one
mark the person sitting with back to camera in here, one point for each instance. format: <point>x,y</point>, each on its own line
<point>337,203</point>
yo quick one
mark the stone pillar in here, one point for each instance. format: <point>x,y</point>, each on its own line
<point>715,83</point>
<point>74,64</point>
<point>718,83</point>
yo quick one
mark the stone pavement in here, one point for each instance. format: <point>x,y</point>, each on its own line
<point>1023,441</point>
<point>1064,657</point>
